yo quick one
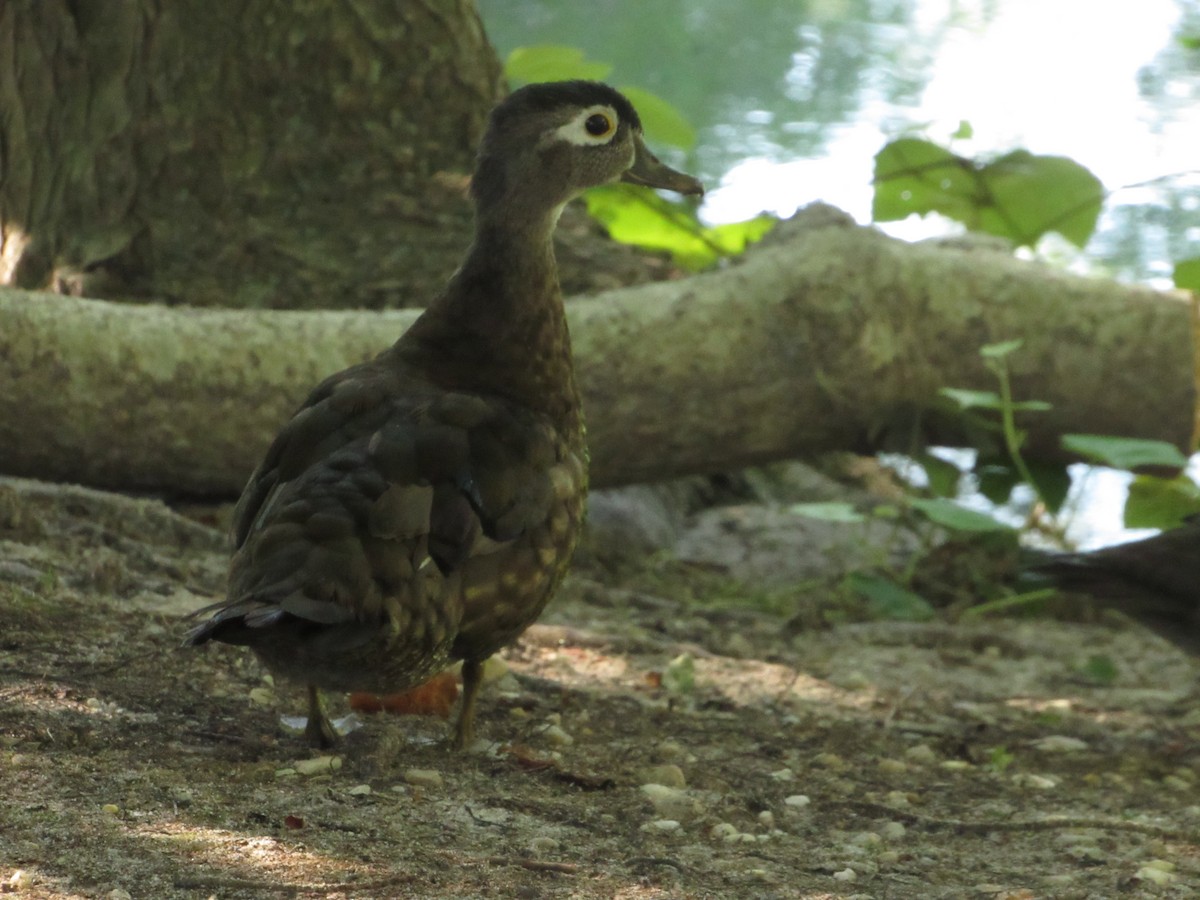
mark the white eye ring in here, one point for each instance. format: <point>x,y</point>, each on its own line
<point>579,130</point>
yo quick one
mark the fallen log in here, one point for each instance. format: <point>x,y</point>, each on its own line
<point>822,340</point>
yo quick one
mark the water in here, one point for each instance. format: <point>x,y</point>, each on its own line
<point>791,101</point>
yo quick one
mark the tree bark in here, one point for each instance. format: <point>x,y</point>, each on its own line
<point>831,338</point>
<point>241,153</point>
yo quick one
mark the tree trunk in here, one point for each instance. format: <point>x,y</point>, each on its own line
<point>829,339</point>
<point>247,152</point>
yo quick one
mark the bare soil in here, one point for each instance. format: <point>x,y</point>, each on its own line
<point>871,760</point>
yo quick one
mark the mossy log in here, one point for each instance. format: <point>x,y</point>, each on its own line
<point>831,337</point>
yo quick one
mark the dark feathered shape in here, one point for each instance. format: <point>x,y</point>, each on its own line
<point>422,507</point>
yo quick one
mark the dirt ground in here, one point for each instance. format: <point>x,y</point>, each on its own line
<point>649,739</point>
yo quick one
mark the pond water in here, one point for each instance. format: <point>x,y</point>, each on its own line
<point>791,101</point>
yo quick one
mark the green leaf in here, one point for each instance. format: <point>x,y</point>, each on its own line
<point>661,121</point>
<point>634,215</point>
<point>1000,758</point>
<point>828,512</point>
<point>913,175</point>
<point>1019,196</point>
<point>1189,41</point>
<point>1032,195</point>
<point>1160,502</point>
<point>964,132</point>
<point>1187,274</point>
<point>1001,349</point>
<point>1052,481</point>
<point>1123,452</point>
<point>943,476</point>
<point>968,399</point>
<point>951,515</point>
<point>552,62</point>
<point>888,600</point>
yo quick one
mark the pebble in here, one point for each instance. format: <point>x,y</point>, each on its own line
<point>668,750</point>
<point>555,735</point>
<point>118,894</point>
<point>866,839</point>
<point>830,761</point>
<point>796,801</point>
<point>111,809</point>
<point>724,831</point>
<point>892,831</point>
<point>1177,784</point>
<point>1060,743</point>
<point>671,802</point>
<point>783,775</point>
<point>425,778</point>
<point>321,765</point>
<point>921,755</point>
<point>359,790</point>
<point>846,874</point>
<point>898,799</point>
<point>892,766</point>
<point>541,846</point>
<point>663,826</point>
<point>669,775</point>
<point>261,696</point>
<point>766,819</point>
<point>1036,782</point>
<point>1157,872</point>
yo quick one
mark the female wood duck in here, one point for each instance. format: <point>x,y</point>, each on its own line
<point>422,507</point>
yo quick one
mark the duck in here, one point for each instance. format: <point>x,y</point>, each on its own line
<point>421,508</point>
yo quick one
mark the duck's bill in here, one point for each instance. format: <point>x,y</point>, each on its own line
<point>648,171</point>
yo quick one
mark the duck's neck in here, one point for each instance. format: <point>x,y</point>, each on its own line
<point>499,326</point>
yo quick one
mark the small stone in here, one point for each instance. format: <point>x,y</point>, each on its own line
<point>766,819</point>
<point>494,668</point>
<point>541,846</point>
<point>846,874</point>
<point>892,766</point>
<point>670,750</point>
<point>724,831</point>
<point>892,831</point>
<point>16,881</point>
<point>555,735</point>
<point>662,826</point>
<point>796,801</point>
<point>359,790</point>
<point>866,839</point>
<point>118,894</point>
<point>321,765</point>
<point>887,857</point>
<point>1154,875</point>
<point>1035,782</point>
<point>261,696</point>
<point>1060,743</point>
<point>783,775</point>
<point>898,799</point>
<point>111,809</point>
<point>286,772</point>
<point>671,803</point>
<point>954,765</point>
<point>425,778</point>
<point>668,775</point>
<point>921,755</point>
<point>1177,784</point>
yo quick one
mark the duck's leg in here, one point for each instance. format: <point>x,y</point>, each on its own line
<point>464,729</point>
<point>319,730</point>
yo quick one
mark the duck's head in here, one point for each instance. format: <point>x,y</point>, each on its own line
<point>547,143</point>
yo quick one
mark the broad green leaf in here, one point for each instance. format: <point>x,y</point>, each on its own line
<point>552,62</point>
<point>636,216</point>
<point>951,515</point>
<point>964,132</point>
<point>828,512</point>
<point>913,175</point>
<point>943,476</point>
<point>1031,195</point>
<point>1187,274</point>
<point>1160,502</point>
<point>1053,482</point>
<point>1124,453</point>
<point>1001,349</point>
<point>661,121</point>
<point>888,600</point>
<point>1019,196</point>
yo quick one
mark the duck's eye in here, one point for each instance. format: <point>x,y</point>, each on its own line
<point>598,125</point>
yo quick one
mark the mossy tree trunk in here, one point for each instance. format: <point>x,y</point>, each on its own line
<point>238,153</point>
